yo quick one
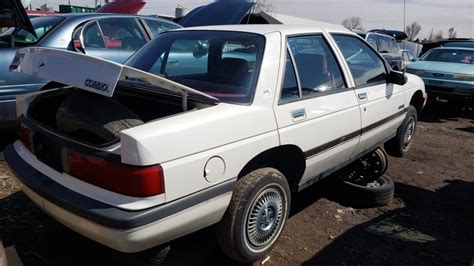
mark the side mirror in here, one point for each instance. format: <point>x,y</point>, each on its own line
<point>396,77</point>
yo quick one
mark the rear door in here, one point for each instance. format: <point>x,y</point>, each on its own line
<point>115,39</point>
<point>317,111</point>
<point>381,103</point>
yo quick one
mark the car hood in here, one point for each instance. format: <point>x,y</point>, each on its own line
<point>442,67</point>
<point>217,13</point>
<point>13,14</point>
<point>92,74</point>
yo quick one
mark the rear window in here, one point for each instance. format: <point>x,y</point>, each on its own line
<point>41,25</point>
<point>460,56</point>
<point>388,45</point>
<point>219,63</point>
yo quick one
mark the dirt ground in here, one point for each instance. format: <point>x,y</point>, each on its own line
<point>430,221</point>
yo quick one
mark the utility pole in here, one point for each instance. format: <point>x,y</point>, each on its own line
<point>404,15</point>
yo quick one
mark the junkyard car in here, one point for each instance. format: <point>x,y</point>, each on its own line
<point>202,126</point>
<point>385,45</point>
<point>448,72</point>
<point>114,37</point>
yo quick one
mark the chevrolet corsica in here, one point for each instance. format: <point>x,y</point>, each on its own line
<point>207,125</point>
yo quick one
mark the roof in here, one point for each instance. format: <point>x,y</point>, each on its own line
<point>453,47</point>
<point>264,29</point>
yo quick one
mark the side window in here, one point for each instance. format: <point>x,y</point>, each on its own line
<point>366,66</point>
<point>93,37</point>
<point>405,56</point>
<point>316,65</point>
<point>289,89</point>
<point>156,27</point>
<point>122,33</point>
<point>372,40</point>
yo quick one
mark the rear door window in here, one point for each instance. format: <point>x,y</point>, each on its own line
<point>316,65</point>
<point>122,33</point>
<point>92,36</point>
<point>156,27</point>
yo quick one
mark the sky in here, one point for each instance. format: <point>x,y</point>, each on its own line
<point>387,14</point>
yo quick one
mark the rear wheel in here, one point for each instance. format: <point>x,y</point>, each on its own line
<point>400,144</point>
<point>256,215</point>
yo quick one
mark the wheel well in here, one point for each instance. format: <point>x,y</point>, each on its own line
<point>417,101</point>
<point>288,159</point>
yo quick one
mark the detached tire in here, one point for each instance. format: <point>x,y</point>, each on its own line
<point>376,193</point>
<point>94,118</point>
<point>400,144</point>
<point>256,215</point>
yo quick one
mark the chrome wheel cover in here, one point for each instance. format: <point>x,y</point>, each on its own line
<point>265,217</point>
<point>409,132</point>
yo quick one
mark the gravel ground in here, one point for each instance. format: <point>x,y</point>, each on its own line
<point>430,221</point>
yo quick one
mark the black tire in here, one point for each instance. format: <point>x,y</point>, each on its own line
<point>94,118</point>
<point>377,193</point>
<point>399,145</point>
<point>240,238</point>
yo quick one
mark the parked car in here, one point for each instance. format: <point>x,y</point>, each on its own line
<point>448,72</point>
<point>387,46</point>
<point>109,36</point>
<point>192,133</point>
<point>408,58</point>
<point>451,42</point>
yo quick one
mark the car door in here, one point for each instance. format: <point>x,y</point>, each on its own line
<point>115,39</point>
<point>381,104</point>
<point>316,111</point>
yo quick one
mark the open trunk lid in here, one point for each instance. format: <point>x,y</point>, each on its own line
<point>13,14</point>
<point>217,13</point>
<point>88,73</point>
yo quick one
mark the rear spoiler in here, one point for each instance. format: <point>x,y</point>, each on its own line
<point>92,74</point>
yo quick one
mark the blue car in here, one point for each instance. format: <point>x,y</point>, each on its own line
<point>111,36</point>
<point>448,72</point>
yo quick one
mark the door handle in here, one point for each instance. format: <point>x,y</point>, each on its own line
<point>298,114</point>
<point>362,96</point>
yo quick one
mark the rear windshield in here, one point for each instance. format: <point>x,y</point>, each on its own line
<point>388,45</point>
<point>222,64</point>
<point>450,56</point>
<point>41,25</point>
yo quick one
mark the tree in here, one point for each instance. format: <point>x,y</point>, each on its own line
<point>353,23</point>
<point>262,5</point>
<point>413,30</point>
<point>452,33</point>
<point>438,36</point>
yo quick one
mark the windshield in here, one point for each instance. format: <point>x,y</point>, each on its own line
<point>219,63</point>
<point>41,25</point>
<point>451,56</point>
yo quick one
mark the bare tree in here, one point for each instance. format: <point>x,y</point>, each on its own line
<point>452,33</point>
<point>262,5</point>
<point>438,36</point>
<point>353,23</point>
<point>413,30</point>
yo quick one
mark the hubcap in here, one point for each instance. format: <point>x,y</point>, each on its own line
<point>409,131</point>
<point>265,217</point>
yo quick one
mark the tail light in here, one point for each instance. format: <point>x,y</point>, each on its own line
<point>24,134</point>
<point>125,179</point>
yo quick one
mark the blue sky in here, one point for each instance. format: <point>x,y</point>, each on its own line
<point>388,14</point>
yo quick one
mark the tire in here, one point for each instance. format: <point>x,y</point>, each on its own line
<point>238,237</point>
<point>94,118</point>
<point>377,193</point>
<point>399,145</point>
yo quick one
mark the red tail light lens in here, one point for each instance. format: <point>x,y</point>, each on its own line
<point>129,180</point>
<point>24,134</point>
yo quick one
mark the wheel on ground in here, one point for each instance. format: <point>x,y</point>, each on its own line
<point>256,215</point>
<point>399,145</point>
<point>94,118</point>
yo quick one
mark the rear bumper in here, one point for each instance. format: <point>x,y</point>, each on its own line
<point>122,230</point>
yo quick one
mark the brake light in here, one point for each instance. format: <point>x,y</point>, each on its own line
<point>125,179</point>
<point>24,134</point>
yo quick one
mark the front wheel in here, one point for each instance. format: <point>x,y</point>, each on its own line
<point>400,144</point>
<point>256,215</point>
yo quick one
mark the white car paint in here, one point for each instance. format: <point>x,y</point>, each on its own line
<point>183,144</point>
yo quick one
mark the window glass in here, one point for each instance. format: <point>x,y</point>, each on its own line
<point>372,39</point>
<point>222,64</point>
<point>366,67</point>
<point>317,67</point>
<point>92,36</point>
<point>387,45</point>
<point>122,33</point>
<point>157,27</point>
<point>289,89</point>
<point>405,56</point>
<point>41,26</point>
<point>451,55</point>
